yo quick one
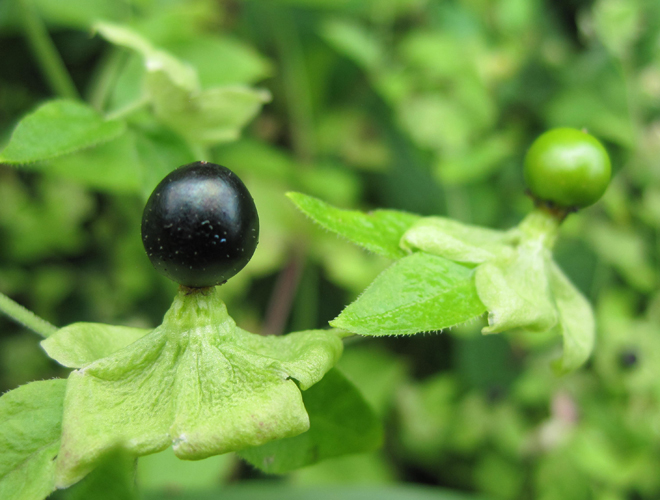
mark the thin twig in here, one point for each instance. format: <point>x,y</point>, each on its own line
<point>26,317</point>
<point>283,295</point>
<point>46,53</point>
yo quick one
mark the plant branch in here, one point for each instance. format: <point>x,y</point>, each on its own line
<point>284,292</point>
<point>105,77</point>
<point>26,317</point>
<point>128,109</point>
<point>296,85</point>
<point>44,50</point>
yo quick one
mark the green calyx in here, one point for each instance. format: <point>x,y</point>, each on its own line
<point>197,383</point>
<point>540,225</point>
<point>515,277</point>
<point>448,273</point>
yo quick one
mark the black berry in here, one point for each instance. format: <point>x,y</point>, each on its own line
<point>200,225</point>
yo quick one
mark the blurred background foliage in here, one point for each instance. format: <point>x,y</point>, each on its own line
<point>420,105</point>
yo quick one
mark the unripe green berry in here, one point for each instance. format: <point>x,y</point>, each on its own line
<point>567,168</point>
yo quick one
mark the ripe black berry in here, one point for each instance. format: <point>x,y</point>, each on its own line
<point>200,225</point>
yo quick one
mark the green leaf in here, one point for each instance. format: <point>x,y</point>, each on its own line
<point>419,293</point>
<point>576,321</point>
<point>179,73</point>
<point>354,41</point>
<point>340,422</point>
<point>164,472</point>
<point>79,14</point>
<point>454,240</point>
<point>426,412</point>
<point>261,490</point>
<point>208,117</point>
<point>515,290</point>
<point>159,152</point>
<point>197,383</point>
<point>234,62</point>
<point>378,231</point>
<point>30,426</point>
<point>80,344</point>
<point>56,128</point>
<point>113,479</point>
<point>376,372</point>
<point>478,161</point>
<point>364,469</point>
<point>106,167</point>
<point>627,251</point>
<point>618,24</point>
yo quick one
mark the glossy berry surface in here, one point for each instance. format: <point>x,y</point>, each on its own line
<point>200,225</point>
<point>568,168</point>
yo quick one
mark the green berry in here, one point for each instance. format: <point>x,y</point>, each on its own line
<point>567,168</point>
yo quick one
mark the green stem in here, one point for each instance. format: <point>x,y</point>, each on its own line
<point>199,151</point>
<point>129,109</point>
<point>306,304</point>
<point>458,206</point>
<point>105,78</point>
<point>541,224</point>
<point>296,85</point>
<point>44,50</point>
<point>25,317</point>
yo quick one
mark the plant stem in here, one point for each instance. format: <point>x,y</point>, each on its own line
<point>542,224</point>
<point>25,317</point>
<point>44,50</point>
<point>296,84</point>
<point>105,78</point>
<point>283,295</point>
<point>128,109</point>
<point>306,303</point>
<point>458,207</point>
<point>200,152</point>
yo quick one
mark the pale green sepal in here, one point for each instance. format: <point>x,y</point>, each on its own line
<point>305,356</point>
<point>454,240</point>
<point>576,321</point>
<point>419,293</point>
<point>80,344</point>
<point>341,422</point>
<point>30,426</point>
<point>57,128</point>
<point>379,231</point>
<point>515,289</point>
<point>197,383</point>
<point>206,117</point>
<point>181,74</point>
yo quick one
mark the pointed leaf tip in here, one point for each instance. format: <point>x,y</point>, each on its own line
<point>379,231</point>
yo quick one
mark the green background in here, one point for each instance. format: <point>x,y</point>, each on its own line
<point>418,105</point>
